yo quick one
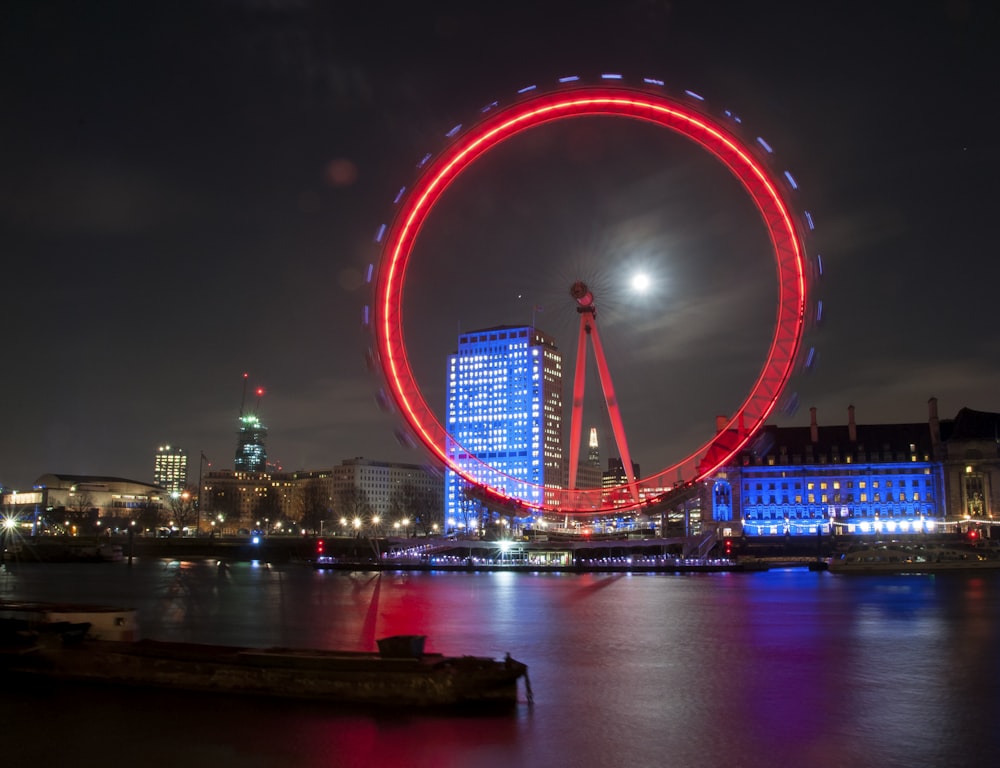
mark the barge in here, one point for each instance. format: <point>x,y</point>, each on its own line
<point>399,675</point>
<point>914,558</point>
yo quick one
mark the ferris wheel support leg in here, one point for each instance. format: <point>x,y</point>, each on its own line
<point>617,427</point>
<point>576,416</point>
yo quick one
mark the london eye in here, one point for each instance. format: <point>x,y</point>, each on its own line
<point>718,136</point>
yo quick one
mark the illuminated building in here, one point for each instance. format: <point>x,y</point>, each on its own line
<point>391,493</point>
<point>615,477</point>
<point>251,455</point>
<point>860,479</point>
<point>589,475</point>
<point>504,417</point>
<point>236,499</point>
<point>87,499</point>
<point>170,468</point>
<point>968,448</point>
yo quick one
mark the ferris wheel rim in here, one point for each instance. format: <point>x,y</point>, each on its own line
<point>670,113</point>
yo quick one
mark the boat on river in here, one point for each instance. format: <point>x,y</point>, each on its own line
<point>914,558</point>
<point>398,675</point>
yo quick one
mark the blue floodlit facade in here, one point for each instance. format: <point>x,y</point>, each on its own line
<point>890,497</point>
<point>504,411</point>
<point>862,479</point>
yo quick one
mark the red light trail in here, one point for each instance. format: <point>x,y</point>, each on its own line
<point>674,115</point>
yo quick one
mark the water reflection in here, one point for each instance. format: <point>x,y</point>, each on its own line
<point>780,668</point>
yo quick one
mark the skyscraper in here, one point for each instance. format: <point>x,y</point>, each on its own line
<point>170,468</point>
<point>589,475</point>
<point>251,455</point>
<point>504,414</point>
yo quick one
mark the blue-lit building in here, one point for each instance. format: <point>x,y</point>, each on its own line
<point>504,417</point>
<point>858,479</point>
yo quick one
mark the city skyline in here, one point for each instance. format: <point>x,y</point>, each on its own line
<point>177,215</point>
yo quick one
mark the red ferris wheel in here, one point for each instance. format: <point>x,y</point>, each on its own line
<point>770,194</point>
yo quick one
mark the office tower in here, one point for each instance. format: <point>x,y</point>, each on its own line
<point>170,468</point>
<point>504,410</point>
<point>251,454</point>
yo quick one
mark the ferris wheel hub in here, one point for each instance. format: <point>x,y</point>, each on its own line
<point>584,298</point>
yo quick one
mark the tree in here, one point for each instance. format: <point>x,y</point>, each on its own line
<point>422,507</point>
<point>183,508</point>
<point>313,505</point>
<point>353,503</point>
<point>268,507</point>
<point>81,511</point>
<point>147,515</point>
<point>224,502</point>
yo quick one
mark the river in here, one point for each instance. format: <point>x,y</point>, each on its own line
<point>779,668</point>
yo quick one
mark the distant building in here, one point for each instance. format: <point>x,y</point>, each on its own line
<point>170,468</point>
<point>404,498</point>
<point>615,477</point>
<point>355,496</point>
<point>968,448</point>
<point>856,479</point>
<point>85,500</point>
<point>251,453</point>
<point>233,500</point>
<point>589,473</point>
<point>504,416</point>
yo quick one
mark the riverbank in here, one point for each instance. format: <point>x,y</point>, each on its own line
<point>363,555</point>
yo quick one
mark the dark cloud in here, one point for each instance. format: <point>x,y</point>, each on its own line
<point>191,190</point>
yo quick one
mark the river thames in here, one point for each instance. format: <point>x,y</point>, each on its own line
<point>778,668</point>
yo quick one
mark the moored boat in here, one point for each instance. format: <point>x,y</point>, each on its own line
<point>400,674</point>
<point>913,558</point>
<point>102,622</point>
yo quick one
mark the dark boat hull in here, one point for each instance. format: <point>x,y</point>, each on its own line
<point>338,677</point>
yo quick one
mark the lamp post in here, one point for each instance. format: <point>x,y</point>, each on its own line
<point>201,463</point>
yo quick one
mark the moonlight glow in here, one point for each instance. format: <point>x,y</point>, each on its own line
<point>640,282</point>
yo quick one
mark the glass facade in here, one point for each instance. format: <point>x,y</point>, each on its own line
<point>251,455</point>
<point>504,416</point>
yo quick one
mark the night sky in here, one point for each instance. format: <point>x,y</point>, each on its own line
<point>190,190</point>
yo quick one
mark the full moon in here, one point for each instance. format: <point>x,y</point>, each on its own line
<point>640,282</point>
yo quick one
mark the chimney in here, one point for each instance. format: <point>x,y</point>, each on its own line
<point>813,426</point>
<point>852,428</point>
<point>935,425</point>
